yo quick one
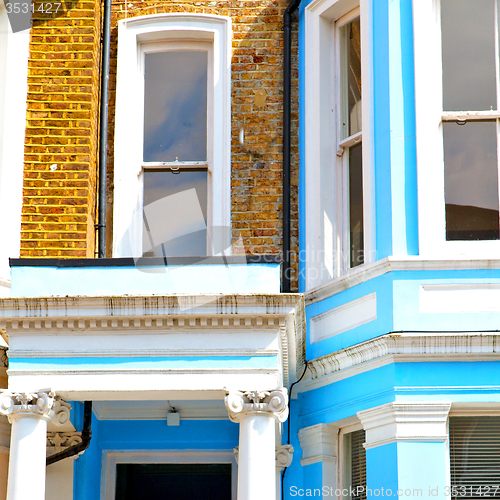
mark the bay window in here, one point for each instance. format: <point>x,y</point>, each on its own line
<point>458,111</point>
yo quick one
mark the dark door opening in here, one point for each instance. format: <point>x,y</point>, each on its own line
<point>173,481</point>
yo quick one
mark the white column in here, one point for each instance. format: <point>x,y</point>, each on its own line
<point>257,412</point>
<point>28,413</point>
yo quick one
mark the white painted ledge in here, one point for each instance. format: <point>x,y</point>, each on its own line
<point>366,272</point>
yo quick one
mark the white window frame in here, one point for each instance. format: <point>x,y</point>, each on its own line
<point>157,32</point>
<point>14,55</point>
<point>113,457</point>
<point>430,153</point>
<point>326,204</point>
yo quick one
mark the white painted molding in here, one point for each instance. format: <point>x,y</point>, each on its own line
<point>110,459</point>
<point>59,441</point>
<point>242,404</point>
<point>395,422</point>
<point>366,272</point>
<point>345,317</point>
<point>319,443</point>
<point>393,348</point>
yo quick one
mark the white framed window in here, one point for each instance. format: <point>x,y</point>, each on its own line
<point>352,470</point>
<point>457,96</point>
<point>338,147</point>
<point>172,136</point>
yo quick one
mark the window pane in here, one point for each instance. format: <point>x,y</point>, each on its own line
<point>471,181</point>
<point>356,206</point>
<point>355,465</point>
<point>175,106</point>
<point>468,34</point>
<point>351,78</point>
<point>175,214</point>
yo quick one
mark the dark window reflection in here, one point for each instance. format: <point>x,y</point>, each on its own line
<point>175,213</point>
<point>468,37</point>
<point>175,106</point>
<point>354,92</point>
<point>471,181</point>
<point>356,205</point>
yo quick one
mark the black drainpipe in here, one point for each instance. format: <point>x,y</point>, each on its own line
<point>287,104</point>
<point>86,436</point>
<point>103,129</point>
<point>101,226</point>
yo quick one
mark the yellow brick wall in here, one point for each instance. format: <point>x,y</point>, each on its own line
<point>63,85</point>
<point>58,214</point>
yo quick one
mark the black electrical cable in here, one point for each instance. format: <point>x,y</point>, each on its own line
<point>290,422</point>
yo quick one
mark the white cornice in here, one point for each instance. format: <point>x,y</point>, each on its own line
<point>366,272</point>
<point>409,421</point>
<point>151,306</point>
<point>408,347</point>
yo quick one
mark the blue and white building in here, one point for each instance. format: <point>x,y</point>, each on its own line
<point>380,378</point>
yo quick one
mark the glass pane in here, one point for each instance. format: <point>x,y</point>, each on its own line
<point>356,206</point>
<point>468,35</point>
<point>175,106</point>
<point>351,78</point>
<point>471,181</point>
<point>175,214</point>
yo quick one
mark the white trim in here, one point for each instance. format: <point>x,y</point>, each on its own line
<point>367,272</point>
<point>429,140</point>
<point>322,224</point>
<point>319,443</point>
<point>167,28</point>
<point>408,421</point>
<point>392,348</point>
<point>343,318</point>
<point>110,458</point>
<point>14,53</point>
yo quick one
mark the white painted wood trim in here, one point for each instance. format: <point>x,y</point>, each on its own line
<point>178,28</point>
<point>110,458</point>
<point>323,225</point>
<point>13,104</point>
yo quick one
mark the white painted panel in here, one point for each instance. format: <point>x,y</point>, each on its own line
<point>137,343</point>
<point>460,298</point>
<point>343,318</point>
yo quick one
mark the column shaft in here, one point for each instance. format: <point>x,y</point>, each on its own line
<point>257,458</point>
<point>27,458</point>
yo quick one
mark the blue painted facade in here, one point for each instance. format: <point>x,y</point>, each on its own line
<point>432,342</point>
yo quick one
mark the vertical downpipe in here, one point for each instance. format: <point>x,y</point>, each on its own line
<point>287,104</point>
<point>103,130</point>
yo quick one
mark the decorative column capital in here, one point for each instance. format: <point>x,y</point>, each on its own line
<point>405,421</point>
<point>22,404</point>
<point>284,456</point>
<point>243,404</point>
